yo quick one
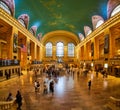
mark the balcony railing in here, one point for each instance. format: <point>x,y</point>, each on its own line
<point>36,62</point>
<point>4,62</point>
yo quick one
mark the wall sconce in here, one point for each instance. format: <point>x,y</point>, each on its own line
<point>84,64</point>
<point>30,57</point>
<point>113,63</point>
<point>118,51</point>
<point>106,65</point>
<point>92,64</point>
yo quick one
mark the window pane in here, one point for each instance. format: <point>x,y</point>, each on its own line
<point>22,22</point>
<point>49,49</point>
<point>5,7</point>
<point>116,10</point>
<point>99,23</point>
<point>60,49</point>
<point>71,48</point>
<point>89,32</point>
<point>31,31</point>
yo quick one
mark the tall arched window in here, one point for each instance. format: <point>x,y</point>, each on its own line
<point>71,49</point>
<point>90,31</point>
<point>21,22</point>
<point>5,7</point>
<point>31,31</point>
<point>60,49</point>
<point>115,11</point>
<point>48,49</point>
<point>99,23</point>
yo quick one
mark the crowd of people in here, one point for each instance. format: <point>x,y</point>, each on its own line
<point>53,73</point>
<point>48,80</point>
<point>47,86</point>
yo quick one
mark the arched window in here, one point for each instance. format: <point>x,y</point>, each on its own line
<point>60,49</point>
<point>71,49</point>
<point>90,31</point>
<point>22,22</point>
<point>5,7</point>
<point>99,23</point>
<point>115,11</point>
<point>48,49</point>
<point>31,31</point>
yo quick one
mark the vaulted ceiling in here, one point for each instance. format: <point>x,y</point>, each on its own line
<point>67,15</point>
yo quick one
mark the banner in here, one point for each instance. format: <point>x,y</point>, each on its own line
<point>92,49</point>
<point>15,43</point>
<point>106,44</point>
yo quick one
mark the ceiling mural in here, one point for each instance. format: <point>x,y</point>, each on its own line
<point>67,15</point>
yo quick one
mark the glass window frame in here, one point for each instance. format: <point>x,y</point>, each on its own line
<point>5,7</point>
<point>21,21</point>
<point>60,49</point>
<point>48,49</point>
<point>69,49</point>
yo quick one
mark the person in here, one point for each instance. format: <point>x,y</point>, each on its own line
<point>38,86</point>
<point>78,73</point>
<point>35,85</point>
<point>10,97</point>
<point>45,91</point>
<point>104,73</point>
<point>51,87</point>
<point>35,74</point>
<point>19,100</point>
<point>7,75</point>
<point>89,84</point>
<point>97,73</point>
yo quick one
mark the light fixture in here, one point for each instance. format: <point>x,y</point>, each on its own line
<point>84,64</point>
<point>92,64</point>
<point>106,65</point>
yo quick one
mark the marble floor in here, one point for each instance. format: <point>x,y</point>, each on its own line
<point>71,92</point>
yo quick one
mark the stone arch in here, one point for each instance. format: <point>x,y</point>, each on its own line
<point>25,19</point>
<point>11,5</point>
<point>60,35</point>
<point>33,30</point>
<point>112,4</point>
<point>87,30</point>
<point>95,20</point>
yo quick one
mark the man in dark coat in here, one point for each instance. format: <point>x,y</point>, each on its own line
<point>19,100</point>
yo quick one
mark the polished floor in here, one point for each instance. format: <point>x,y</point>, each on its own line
<point>71,92</point>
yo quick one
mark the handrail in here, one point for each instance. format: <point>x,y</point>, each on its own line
<point>114,103</point>
<point>115,99</point>
<point>4,105</point>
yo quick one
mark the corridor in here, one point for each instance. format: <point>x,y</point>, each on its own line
<point>71,92</point>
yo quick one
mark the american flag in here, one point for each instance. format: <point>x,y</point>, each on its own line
<point>23,48</point>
